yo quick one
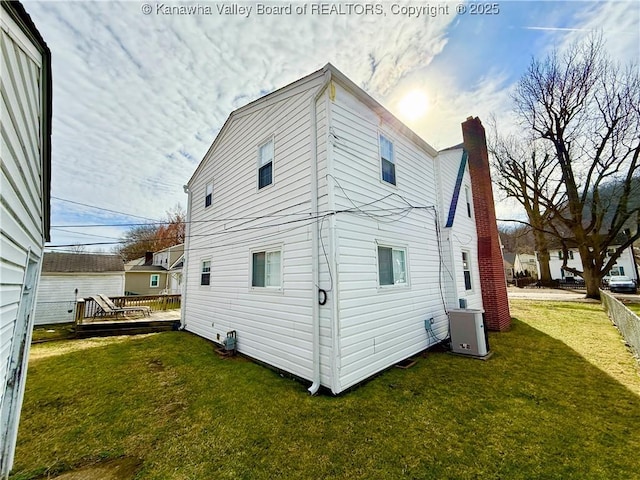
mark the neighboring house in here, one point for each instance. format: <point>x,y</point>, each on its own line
<point>346,238</point>
<point>69,276</point>
<point>509,261</point>
<point>525,264</point>
<point>625,264</point>
<point>157,273</point>
<point>24,198</point>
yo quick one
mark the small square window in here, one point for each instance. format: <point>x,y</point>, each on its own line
<point>208,198</point>
<point>205,273</point>
<point>265,164</point>
<point>392,266</point>
<point>388,162</point>
<point>154,281</point>
<point>266,269</point>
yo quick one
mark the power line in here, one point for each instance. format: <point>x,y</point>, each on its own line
<point>103,209</point>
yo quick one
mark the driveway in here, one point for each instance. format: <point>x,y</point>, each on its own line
<point>563,295</point>
<point>547,294</point>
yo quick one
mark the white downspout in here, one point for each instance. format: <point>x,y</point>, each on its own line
<point>185,262</point>
<point>315,308</point>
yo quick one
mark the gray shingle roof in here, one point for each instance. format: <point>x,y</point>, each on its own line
<point>81,263</point>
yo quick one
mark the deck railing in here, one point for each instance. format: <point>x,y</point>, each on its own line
<point>88,308</point>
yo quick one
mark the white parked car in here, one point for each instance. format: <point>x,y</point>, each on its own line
<point>622,284</point>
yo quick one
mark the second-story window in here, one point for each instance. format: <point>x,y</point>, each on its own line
<point>388,161</point>
<point>467,194</point>
<point>265,164</point>
<point>208,197</point>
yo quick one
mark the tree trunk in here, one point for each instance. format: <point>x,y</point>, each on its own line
<point>543,258</point>
<point>592,282</point>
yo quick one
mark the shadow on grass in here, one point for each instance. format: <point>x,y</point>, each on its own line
<point>536,409</point>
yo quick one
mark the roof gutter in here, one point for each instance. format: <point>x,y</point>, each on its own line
<point>315,236</point>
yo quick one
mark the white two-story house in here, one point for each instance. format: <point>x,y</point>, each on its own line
<point>327,234</point>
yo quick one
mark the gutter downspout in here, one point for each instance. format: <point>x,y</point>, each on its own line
<point>185,262</point>
<point>315,308</point>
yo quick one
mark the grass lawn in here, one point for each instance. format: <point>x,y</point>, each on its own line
<point>634,307</point>
<point>58,331</point>
<point>559,399</point>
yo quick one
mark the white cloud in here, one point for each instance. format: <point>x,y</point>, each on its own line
<point>139,98</point>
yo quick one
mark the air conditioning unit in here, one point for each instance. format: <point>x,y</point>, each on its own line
<point>468,335</point>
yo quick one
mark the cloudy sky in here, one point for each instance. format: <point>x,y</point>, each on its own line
<point>140,94</point>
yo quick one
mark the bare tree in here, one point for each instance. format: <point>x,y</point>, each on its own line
<point>528,173</point>
<point>587,109</point>
<point>153,237</point>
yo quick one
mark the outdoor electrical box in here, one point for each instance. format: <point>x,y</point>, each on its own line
<point>468,335</point>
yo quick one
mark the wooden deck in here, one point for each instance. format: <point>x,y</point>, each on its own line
<point>158,322</point>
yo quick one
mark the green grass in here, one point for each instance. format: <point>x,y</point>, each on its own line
<point>559,399</point>
<point>634,307</point>
<point>58,331</point>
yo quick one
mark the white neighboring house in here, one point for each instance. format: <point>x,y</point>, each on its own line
<point>69,276</point>
<point>329,263</point>
<point>526,263</point>
<point>24,205</point>
<point>625,264</point>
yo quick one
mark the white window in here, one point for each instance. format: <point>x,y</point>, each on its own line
<point>154,281</point>
<point>265,164</point>
<point>205,272</point>
<point>208,197</point>
<point>392,266</point>
<point>467,194</point>
<point>266,269</point>
<point>466,269</point>
<point>387,160</point>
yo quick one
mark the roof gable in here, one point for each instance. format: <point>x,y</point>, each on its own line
<point>293,88</point>
<point>55,262</point>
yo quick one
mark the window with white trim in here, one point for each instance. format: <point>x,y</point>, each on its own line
<point>467,194</point>
<point>154,280</point>
<point>466,270</point>
<point>387,160</point>
<point>266,269</point>
<point>392,266</point>
<point>208,197</point>
<point>205,272</point>
<point>265,164</point>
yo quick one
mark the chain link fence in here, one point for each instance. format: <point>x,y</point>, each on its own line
<point>627,322</point>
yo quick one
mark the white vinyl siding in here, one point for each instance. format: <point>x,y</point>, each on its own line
<point>21,216</point>
<point>460,236</point>
<point>275,328</point>
<point>56,293</point>
<point>381,326</point>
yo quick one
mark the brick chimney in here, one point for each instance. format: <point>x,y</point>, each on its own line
<point>491,266</point>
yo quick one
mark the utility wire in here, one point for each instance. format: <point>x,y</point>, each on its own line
<point>103,209</point>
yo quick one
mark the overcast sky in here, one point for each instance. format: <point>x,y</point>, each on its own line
<point>140,94</point>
